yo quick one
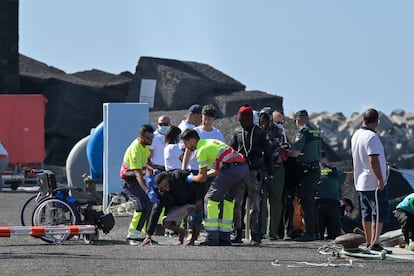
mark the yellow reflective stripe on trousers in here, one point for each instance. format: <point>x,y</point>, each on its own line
<point>226,222</point>
<point>212,221</point>
<point>135,220</point>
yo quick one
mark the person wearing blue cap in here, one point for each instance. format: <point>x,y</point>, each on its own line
<point>192,120</point>
<point>193,117</point>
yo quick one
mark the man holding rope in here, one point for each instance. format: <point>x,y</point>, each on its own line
<point>370,174</point>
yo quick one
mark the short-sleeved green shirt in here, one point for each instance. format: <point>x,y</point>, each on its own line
<point>207,152</point>
<point>308,142</point>
<point>135,158</point>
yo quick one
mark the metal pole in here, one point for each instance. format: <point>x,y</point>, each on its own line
<point>247,233</point>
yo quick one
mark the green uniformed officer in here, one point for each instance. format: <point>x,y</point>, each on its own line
<point>327,196</point>
<point>307,150</point>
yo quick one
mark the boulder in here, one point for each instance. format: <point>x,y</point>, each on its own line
<point>74,102</point>
<point>180,83</point>
<point>395,134</point>
<point>229,104</point>
<point>9,47</point>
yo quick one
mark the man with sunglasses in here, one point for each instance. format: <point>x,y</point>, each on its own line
<point>157,146</point>
<point>134,167</point>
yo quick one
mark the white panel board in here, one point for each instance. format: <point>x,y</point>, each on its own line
<point>147,91</point>
<point>122,122</point>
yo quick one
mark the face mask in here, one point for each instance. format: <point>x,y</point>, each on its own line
<point>162,129</point>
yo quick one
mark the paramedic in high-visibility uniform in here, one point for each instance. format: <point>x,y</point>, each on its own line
<point>133,169</point>
<point>229,171</point>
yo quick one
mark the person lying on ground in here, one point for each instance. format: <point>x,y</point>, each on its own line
<point>179,198</point>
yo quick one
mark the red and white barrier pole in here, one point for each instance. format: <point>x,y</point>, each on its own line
<point>40,231</point>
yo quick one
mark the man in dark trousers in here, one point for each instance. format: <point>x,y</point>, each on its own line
<point>307,150</point>
<point>229,172</point>
<point>272,195</point>
<point>135,163</point>
<point>251,141</point>
<point>179,198</point>
<point>404,213</point>
<point>327,196</point>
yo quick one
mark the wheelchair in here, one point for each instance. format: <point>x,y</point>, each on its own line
<point>54,206</point>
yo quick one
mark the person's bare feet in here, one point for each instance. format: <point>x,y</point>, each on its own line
<point>182,235</point>
<point>147,241</point>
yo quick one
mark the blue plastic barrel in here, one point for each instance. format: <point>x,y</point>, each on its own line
<point>94,152</point>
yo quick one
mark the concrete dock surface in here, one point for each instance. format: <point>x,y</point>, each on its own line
<point>111,255</point>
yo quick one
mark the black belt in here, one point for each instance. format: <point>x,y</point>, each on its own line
<point>128,177</point>
<point>226,165</point>
<point>158,167</point>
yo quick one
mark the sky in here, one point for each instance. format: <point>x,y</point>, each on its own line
<point>320,55</point>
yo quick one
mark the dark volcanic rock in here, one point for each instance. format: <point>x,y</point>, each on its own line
<point>74,102</point>
<point>181,83</point>
<point>9,46</point>
<point>229,104</point>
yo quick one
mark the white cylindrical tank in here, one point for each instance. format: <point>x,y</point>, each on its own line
<point>77,164</point>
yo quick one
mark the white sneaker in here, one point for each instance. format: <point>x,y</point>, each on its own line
<point>134,234</point>
<point>133,242</point>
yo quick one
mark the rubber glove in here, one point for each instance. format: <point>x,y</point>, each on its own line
<point>152,196</point>
<point>150,182</point>
<point>189,178</point>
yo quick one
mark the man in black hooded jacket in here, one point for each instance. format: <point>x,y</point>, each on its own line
<point>251,141</point>
<point>179,198</point>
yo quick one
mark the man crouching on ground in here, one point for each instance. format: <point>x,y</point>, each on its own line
<point>180,198</point>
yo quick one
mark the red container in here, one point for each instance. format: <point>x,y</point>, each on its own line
<point>22,127</point>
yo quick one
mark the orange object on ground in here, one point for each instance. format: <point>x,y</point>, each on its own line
<point>39,231</point>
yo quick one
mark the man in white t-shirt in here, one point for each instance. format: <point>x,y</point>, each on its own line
<point>157,146</point>
<point>205,131</point>
<point>193,120</point>
<point>370,178</point>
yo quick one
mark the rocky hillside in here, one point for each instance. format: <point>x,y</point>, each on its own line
<point>75,100</point>
<point>395,130</point>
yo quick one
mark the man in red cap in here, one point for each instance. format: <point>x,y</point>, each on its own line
<point>251,141</point>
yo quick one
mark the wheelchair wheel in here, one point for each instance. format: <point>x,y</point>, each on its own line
<point>91,238</point>
<point>27,211</point>
<point>54,212</point>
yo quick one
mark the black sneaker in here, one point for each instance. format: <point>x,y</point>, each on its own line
<point>225,243</point>
<point>256,243</point>
<point>377,247</point>
<point>236,240</point>
<point>210,243</point>
<point>305,238</point>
